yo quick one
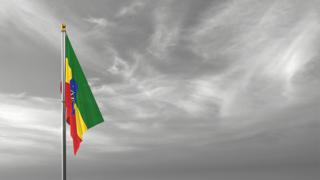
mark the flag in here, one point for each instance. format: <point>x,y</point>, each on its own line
<point>82,111</point>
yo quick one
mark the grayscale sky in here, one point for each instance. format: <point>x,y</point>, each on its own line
<point>189,89</point>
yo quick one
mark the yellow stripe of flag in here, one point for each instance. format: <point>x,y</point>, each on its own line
<point>68,71</point>
<point>81,126</point>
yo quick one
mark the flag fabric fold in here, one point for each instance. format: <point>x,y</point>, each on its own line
<point>82,111</point>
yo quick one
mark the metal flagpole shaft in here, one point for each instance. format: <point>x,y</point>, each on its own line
<point>63,57</point>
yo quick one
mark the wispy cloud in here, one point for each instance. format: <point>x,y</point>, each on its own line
<point>130,9</point>
<point>33,19</point>
<point>232,84</point>
<point>28,124</point>
<point>263,64</point>
<point>31,127</point>
<point>36,20</point>
<point>100,22</point>
<point>165,34</point>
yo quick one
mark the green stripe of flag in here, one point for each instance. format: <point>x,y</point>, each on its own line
<point>84,99</point>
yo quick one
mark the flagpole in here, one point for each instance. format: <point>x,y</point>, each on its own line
<point>63,123</point>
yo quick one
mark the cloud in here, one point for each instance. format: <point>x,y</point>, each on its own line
<point>32,18</point>
<point>260,51</point>
<point>29,125</point>
<point>130,9</point>
<point>31,129</point>
<point>101,22</point>
<point>183,86</point>
<point>41,24</point>
<point>119,66</point>
<point>165,34</point>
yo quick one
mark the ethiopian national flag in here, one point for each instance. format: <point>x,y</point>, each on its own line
<point>82,111</point>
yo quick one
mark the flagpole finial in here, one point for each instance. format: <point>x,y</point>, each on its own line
<point>63,27</point>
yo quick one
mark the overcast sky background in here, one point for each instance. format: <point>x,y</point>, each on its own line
<point>189,89</point>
